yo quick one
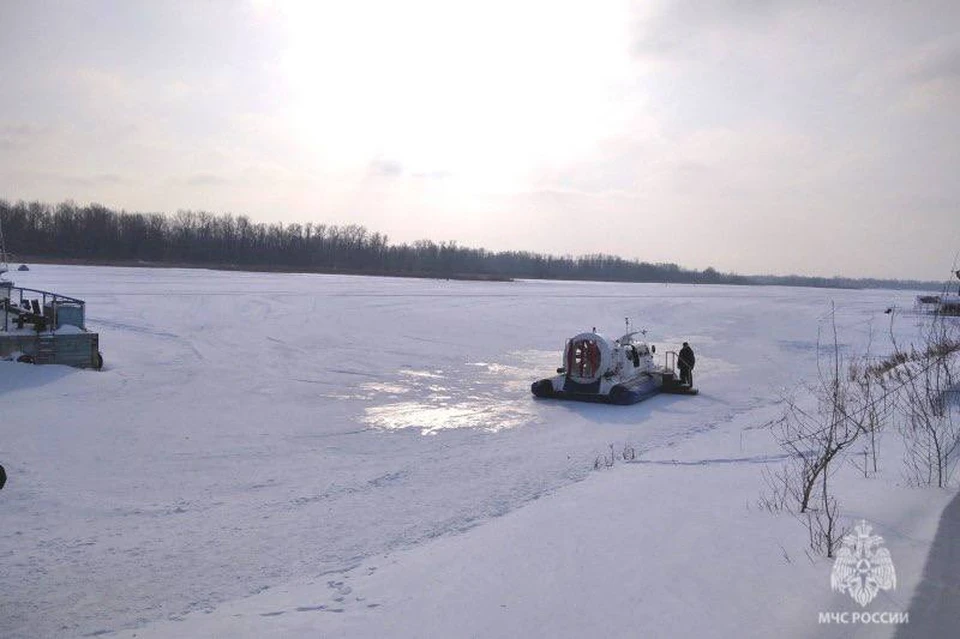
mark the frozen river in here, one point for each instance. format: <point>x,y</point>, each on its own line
<point>249,429</point>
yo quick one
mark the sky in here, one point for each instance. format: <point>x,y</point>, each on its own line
<point>777,137</point>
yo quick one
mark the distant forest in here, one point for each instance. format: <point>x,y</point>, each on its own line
<point>97,234</point>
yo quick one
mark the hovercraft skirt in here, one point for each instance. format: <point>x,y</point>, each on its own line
<point>621,394</point>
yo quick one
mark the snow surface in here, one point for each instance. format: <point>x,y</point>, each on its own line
<point>311,455</point>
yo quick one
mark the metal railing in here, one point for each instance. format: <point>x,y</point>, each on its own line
<point>670,361</point>
<point>45,299</point>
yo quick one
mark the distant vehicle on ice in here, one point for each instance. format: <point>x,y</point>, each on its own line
<point>23,267</point>
<point>621,371</point>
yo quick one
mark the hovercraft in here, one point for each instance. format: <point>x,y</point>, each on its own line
<point>622,371</point>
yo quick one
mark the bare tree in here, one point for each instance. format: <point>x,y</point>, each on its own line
<point>815,438</point>
<point>926,379</point>
<point>870,407</point>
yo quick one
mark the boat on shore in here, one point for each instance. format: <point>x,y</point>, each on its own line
<point>43,327</point>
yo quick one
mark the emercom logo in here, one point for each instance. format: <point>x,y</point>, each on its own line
<point>863,566</point>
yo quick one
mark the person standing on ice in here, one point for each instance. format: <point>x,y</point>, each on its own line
<point>686,361</point>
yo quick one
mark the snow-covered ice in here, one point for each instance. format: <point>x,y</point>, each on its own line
<point>313,455</point>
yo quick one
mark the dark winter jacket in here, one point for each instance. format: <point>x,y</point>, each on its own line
<point>687,357</point>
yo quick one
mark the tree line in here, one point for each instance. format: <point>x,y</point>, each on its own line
<point>98,234</point>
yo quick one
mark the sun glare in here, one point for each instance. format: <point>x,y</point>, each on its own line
<point>480,93</point>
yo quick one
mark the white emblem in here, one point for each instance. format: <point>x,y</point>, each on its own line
<point>863,566</point>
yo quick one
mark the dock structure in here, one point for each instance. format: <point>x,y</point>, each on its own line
<point>42,327</point>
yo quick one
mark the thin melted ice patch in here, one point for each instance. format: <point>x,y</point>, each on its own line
<point>433,418</point>
<point>489,396</point>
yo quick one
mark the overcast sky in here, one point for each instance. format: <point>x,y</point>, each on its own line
<point>758,137</point>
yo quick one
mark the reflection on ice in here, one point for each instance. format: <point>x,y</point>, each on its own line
<point>385,388</point>
<point>489,396</point>
<point>431,418</point>
<point>428,374</point>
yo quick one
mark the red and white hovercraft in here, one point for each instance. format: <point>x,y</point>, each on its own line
<point>622,371</point>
